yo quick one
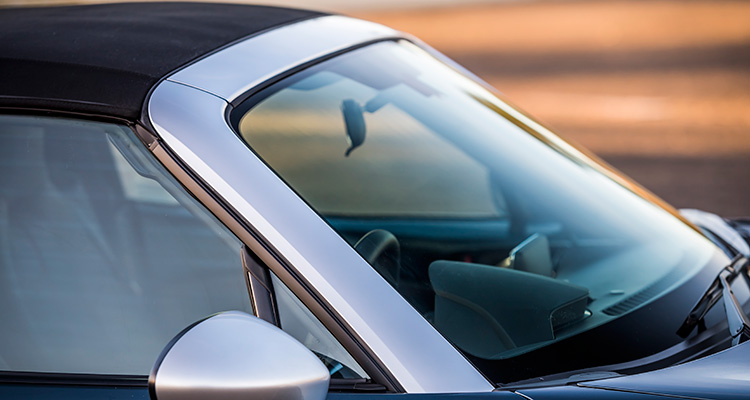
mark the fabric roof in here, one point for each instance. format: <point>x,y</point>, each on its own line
<point>104,59</point>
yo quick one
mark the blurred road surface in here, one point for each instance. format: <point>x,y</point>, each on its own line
<point>659,89</point>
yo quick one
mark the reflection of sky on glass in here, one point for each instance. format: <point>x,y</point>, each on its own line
<point>429,152</point>
<point>442,147</point>
<point>401,169</point>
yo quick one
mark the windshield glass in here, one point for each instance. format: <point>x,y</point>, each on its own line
<point>508,240</point>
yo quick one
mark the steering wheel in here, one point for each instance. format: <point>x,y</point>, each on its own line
<point>381,249</point>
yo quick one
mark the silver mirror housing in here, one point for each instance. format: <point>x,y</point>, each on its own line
<point>233,355</point>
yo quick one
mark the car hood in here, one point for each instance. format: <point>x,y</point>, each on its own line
<point>724,375</point>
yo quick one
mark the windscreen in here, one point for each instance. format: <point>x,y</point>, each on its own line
<point>507,239</point>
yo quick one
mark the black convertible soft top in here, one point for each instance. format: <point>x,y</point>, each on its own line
<point>104,59</point>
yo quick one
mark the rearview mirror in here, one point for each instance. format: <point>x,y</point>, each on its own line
<point>354,121</point>
<point>234,355</point>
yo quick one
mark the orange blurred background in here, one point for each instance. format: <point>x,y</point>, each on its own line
<point>659,89</point>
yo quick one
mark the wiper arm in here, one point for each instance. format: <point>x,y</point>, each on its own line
<point>739,324</point>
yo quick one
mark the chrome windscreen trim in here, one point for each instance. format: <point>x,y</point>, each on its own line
<point>235,70</point>
<point>188,112</point>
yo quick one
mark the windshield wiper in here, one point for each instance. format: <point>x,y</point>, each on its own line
<point>739,324</point>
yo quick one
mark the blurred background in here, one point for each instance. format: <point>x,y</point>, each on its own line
<point>660,89</point>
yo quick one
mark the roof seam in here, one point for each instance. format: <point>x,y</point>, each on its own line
<point>196,88</point>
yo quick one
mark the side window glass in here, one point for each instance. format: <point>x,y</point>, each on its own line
<point>300,323</point>
<point>104,257</point>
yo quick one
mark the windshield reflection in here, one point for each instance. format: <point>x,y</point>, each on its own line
<point>503,236</point>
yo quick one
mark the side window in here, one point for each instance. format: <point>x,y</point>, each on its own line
<point>103,256</point>
<point>301,324</point>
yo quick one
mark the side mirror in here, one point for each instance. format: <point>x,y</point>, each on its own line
<point>233,355</point>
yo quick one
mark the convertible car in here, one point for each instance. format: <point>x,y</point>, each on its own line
<point>211,201</point>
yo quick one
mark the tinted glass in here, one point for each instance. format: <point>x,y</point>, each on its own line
<point>301,324</point>
<point>504,237</point>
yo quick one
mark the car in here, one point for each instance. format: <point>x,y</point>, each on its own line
<point>215,201</point>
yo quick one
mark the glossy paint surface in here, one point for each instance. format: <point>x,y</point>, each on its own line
<point>52,392</point>
<point>115,393</point>
<point>579,393</point>
<point>723,375</point>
